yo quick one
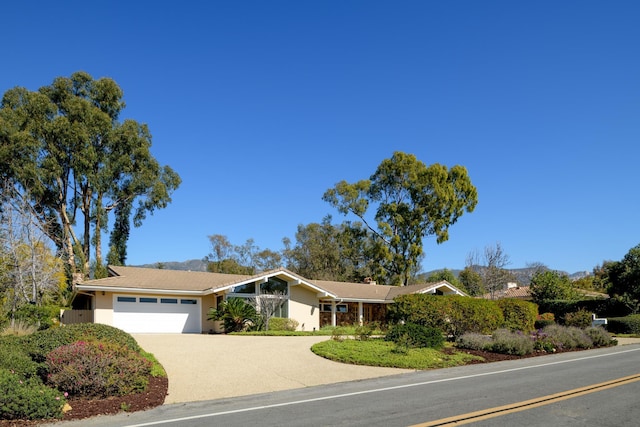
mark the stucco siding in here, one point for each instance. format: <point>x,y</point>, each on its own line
<point>103,308</point>
<point>303,307</point>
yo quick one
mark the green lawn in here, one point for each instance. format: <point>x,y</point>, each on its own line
<point>376,352</point>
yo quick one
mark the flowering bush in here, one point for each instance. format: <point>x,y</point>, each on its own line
<point>97,369</point>
<point>27,398</point>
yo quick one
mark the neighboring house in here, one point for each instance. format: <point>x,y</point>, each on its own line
<point>512,291</point>
<point>155,300</point>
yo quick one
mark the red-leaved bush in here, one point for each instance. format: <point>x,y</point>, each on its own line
<point>96,369</point>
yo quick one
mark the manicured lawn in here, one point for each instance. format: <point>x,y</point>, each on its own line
<point>376,352</point>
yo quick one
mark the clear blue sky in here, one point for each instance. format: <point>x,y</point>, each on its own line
<point>261,106</point>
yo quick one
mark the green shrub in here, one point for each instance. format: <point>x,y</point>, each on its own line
<point>600,337</point>
<point>507,342</point>
<point>545,319</point>
<point>363,332</point>
<point>453,314</point>
<point>43,342</point>
<point>518,315</point>
<point>474,341</point>
<point>27,398</point>
<point>282,324</point>
<point>43,317</point>
<point>97,369</point>
<point>580,319</point>
<point>15,359</point>
<point>624,325</point>
<point>412,335</point>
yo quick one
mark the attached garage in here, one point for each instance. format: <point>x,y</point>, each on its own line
<point>157,314</point>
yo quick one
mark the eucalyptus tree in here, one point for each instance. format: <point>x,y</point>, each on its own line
<point>412,201</point>
<point>64,149</point>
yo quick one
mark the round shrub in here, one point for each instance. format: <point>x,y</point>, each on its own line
<point>97,369</point>
<point>518,315</point>
<point>27,398</point>
<point>474,341</point>
<point>43,342</point>
<point>507,342</point>
<point>282,324</point>
<point>600,337</point>
<point>580,319</point>
<point>413,335</point>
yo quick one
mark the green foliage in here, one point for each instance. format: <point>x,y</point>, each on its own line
<point>363,332</point>
<point>518,315</point>
<point>624,325</point>
<point>412,335</point>
<point>581,319</point>
<point>96,369</point>
<point>474,341</point>
<point>452,314</point>
<point>551,285</point>
<point>508,342</point>
<point>567,337</point>
<point>68,136</point>
<point>13,357</point>
<point>42,316</point>
<point>472,282</point>
<point>235,313</point>
<point>41,343</point>
<point>282,324</point>
<point>412,201</point>
<point>623,278</point>
<point>600,337</point>
<point>545,319</point>
<point>27,398</point>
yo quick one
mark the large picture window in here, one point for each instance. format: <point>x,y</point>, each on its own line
<point>274,285</point>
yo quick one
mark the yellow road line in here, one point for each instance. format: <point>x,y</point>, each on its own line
<point>498,411</point>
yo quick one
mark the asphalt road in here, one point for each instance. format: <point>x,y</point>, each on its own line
<point>558,390</point>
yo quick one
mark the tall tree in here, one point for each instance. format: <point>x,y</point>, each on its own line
<point>624,279</point>
<point>551,285</point>
<point>411,201</point>
<point>65,150</point>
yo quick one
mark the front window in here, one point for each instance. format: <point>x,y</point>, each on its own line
<point>274,286</point>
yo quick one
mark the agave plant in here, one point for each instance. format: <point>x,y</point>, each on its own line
<point>235,313</point>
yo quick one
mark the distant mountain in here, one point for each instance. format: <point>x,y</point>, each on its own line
<point>190,265</point>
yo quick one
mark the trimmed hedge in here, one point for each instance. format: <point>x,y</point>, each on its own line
<point>602,307</point>
<point>453,314</point>
<point>518,315</point>
<point>624,325</point>
<point>412,335</point>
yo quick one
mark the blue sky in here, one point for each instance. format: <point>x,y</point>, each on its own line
<point>261,106</point>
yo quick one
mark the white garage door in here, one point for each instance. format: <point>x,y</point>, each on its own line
<point>156,314</point>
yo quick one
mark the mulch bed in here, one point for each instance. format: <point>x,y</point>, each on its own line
<point>85,408</point>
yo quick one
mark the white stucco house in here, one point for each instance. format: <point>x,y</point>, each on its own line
<point>147,300</point>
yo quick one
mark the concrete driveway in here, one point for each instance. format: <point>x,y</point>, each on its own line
<point>206,367</point>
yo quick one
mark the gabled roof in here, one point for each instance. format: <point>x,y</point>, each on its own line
<point>381,293</point>
<point>150,280</point>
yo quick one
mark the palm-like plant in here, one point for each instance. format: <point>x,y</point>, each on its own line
<point>235,313</point>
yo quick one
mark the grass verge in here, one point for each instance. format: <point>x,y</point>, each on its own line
<point>376,352</point>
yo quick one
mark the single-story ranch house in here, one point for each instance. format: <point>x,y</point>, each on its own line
<point>144,300</point>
